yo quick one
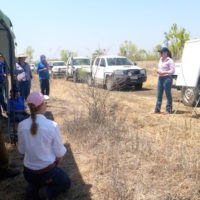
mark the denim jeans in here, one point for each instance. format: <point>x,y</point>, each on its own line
<point>164,84</point>
<point>44,86</point>
<point>2,97</point>
<point>24,88</point>
<point>56,181</point>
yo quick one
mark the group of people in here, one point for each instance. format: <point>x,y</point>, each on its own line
<point>24,75</point>
<point>39,138</point>
<point>22,89</point>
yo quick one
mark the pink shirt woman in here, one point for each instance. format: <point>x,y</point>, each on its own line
<point>166,68</point>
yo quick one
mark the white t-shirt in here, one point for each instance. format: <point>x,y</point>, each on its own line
<point>40,150</point>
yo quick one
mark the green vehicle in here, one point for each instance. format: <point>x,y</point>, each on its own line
<point>7,50</point>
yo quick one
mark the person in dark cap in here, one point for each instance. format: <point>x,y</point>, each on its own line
<point>166,68</point>
<point>43,71</point>
<point>16,103</point>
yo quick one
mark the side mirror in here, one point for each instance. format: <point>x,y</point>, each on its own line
<point>135,63</point>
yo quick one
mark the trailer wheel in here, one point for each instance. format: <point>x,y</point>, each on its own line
<point>189,96</point>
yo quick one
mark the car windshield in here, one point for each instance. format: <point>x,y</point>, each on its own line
<point>81,62</point>
<point>59,64</point>
<point>118,61</point>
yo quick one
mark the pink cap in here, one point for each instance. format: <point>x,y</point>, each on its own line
<point>35,98</point>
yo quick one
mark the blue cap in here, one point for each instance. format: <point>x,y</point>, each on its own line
<point>164,49</point>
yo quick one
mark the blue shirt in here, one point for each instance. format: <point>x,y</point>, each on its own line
<point>18,104</point>
<point>1,72</point>
<point>42,74</point>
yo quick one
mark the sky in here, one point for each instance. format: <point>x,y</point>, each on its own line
<point>85,25</point>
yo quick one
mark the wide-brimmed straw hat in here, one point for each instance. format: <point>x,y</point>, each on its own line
<point>22,55</point>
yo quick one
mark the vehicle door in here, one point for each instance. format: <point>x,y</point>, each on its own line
<point>101,71</point>
<point>95,68</point>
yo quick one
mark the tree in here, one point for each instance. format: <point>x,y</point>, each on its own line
<point>176,37</point>
<point>141,55</point>
<point>129,50</point>
<point>65,54</point>
<point>154,55</point>
<point>98,52</point>
<point>29,52</point>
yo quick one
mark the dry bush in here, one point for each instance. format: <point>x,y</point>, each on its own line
<point>150,158</point>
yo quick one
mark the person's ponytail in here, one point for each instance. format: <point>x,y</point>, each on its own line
<point>34,126</point>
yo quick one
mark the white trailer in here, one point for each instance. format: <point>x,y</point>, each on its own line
<point>188,77</point>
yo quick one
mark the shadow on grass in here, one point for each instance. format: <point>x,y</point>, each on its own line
<point>79,189</point>
<point>14,188</point>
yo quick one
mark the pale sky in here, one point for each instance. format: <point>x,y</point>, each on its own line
<point>85,25</point>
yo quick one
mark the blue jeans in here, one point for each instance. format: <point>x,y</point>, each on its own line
<point>2,97</point>
<point>24,88</point>
<point>44,86</point>
<point>56,181</point>
<point>164,84</point>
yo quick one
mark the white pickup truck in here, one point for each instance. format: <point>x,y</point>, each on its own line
<point>78,68</point>
<point>188,74</point>
<point>116,72</point>
<point>58,68</point>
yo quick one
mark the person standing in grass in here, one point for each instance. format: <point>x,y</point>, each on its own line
<point>39,139</point>
<point>24,76</point>
<point>43,71</point>
<point>166,68</point>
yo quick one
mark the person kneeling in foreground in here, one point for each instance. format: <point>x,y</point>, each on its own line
<point>39,139</point>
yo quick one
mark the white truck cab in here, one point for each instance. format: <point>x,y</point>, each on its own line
<point>78,68</point>
<point>188,77</point>
<point>116,72</point>
<point>58,68</point>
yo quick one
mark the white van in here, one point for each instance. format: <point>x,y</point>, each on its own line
<point>189,73</point>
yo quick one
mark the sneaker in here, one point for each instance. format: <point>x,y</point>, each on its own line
<point>170,111</point>
<point>157,112</point>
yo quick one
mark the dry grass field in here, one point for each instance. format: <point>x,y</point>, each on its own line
<point>118,149</point>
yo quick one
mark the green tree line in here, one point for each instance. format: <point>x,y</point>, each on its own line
<point>175,38</point>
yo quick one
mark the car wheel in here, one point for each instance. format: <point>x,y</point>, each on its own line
<point>138,86</point>
<point>189,96</point>
<point>109,84</point>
